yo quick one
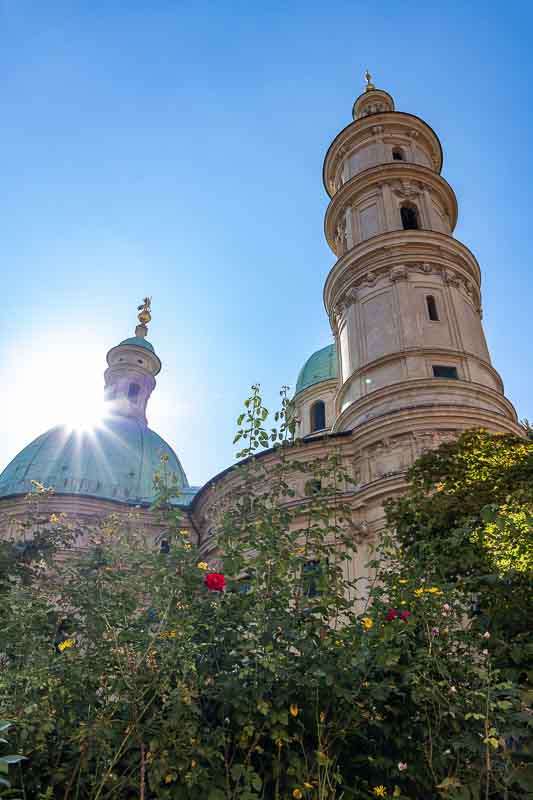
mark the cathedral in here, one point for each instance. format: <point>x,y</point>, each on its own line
<point>408,368</point>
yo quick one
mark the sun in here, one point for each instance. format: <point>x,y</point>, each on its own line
<point>60,385</point>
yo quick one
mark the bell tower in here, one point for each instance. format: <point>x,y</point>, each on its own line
<point>403,297</point>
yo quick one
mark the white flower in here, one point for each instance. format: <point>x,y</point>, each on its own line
<point>402,765</point>
<point>485,652</point>
<point>453,689</point>
<point>486,635</point>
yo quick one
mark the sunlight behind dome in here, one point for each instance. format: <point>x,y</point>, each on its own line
<point>67,390</point>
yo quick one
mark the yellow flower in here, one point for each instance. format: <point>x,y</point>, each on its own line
<point>434,590</point>
<point>184,533</point>
<point>66,644</point>
<point>308,785</point>
<point>187,546</point>
<point>294,710</point>
<point>297,794</point>
<point>203,565</point>
<point>380,791</point>
<point>54,518</point>
<point>402,580</point>
<point>170,778</point>
<point>167,635</point>
<point>322,717</point>
<point>419,592</point>
<point>193,764</point>
<point>367,623</point>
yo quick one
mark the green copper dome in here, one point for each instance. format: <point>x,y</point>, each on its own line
<point>115,461</point>
<point>138,341</point>
<point>321,366</point>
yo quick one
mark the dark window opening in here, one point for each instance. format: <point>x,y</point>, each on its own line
<point>314,486</point>
<point>133,392</point>
<point>432,308</point>
<point>441,371</point>
<point>397,154</point>
<point>164,546</point>
<point>313,576</point>
<point>409,218</point>
<point>318,416</point>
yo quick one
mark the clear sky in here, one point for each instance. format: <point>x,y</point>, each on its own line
<point>175,149</point>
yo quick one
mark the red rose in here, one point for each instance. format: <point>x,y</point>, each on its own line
<point>392,614</point>
<point>405,615</point>
<point>215,581</point>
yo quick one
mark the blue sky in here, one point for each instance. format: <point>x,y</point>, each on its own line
<point>175,149</point>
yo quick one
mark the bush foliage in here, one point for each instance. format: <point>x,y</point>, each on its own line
<point>130,670</point>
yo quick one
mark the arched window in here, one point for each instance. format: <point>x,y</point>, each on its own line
<point>397,154</point>
<point>133,392</point>
<point>409,217</point>
<point>433,314</point>
<point>318,416</point>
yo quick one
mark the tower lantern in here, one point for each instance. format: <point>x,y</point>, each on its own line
<point>133,365</point>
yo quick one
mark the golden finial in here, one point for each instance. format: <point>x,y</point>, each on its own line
<point>369,85</point>
<point>144,316</point>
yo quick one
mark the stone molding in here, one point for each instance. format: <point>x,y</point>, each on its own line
<point>422,352</point>
<point>405,178</point>
<point>424,251</point>
<point>450,275</point>
<point>411,393</point>
<point>394,123</point>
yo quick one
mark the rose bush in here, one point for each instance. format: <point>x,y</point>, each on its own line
<point>133,670</point>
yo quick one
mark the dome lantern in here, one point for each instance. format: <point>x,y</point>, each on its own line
<point>133,365</point>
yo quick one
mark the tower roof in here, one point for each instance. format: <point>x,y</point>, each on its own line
<point>139,341</point>
<point>321,366</point>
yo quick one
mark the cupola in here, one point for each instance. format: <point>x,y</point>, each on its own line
<point>133,365</point>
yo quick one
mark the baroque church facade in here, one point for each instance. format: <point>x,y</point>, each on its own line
<point>408,369</point>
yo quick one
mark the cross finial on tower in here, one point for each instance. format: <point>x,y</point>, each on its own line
<point>369,85</point>
<point>144,316</point>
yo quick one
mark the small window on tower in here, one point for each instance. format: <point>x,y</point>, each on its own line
<point>318,416</point>
<point>409,215</point>
<point>397,154</point>
<point>433,314</point>
<point>442,371</point>
<point>133,392</point>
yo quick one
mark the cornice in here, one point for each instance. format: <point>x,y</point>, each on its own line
<point>423,352</point>
<point>347,136</point>
<point>416,387</point>
<point>416,251</point>
<point>315,390</point>
<point>405,179</point>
